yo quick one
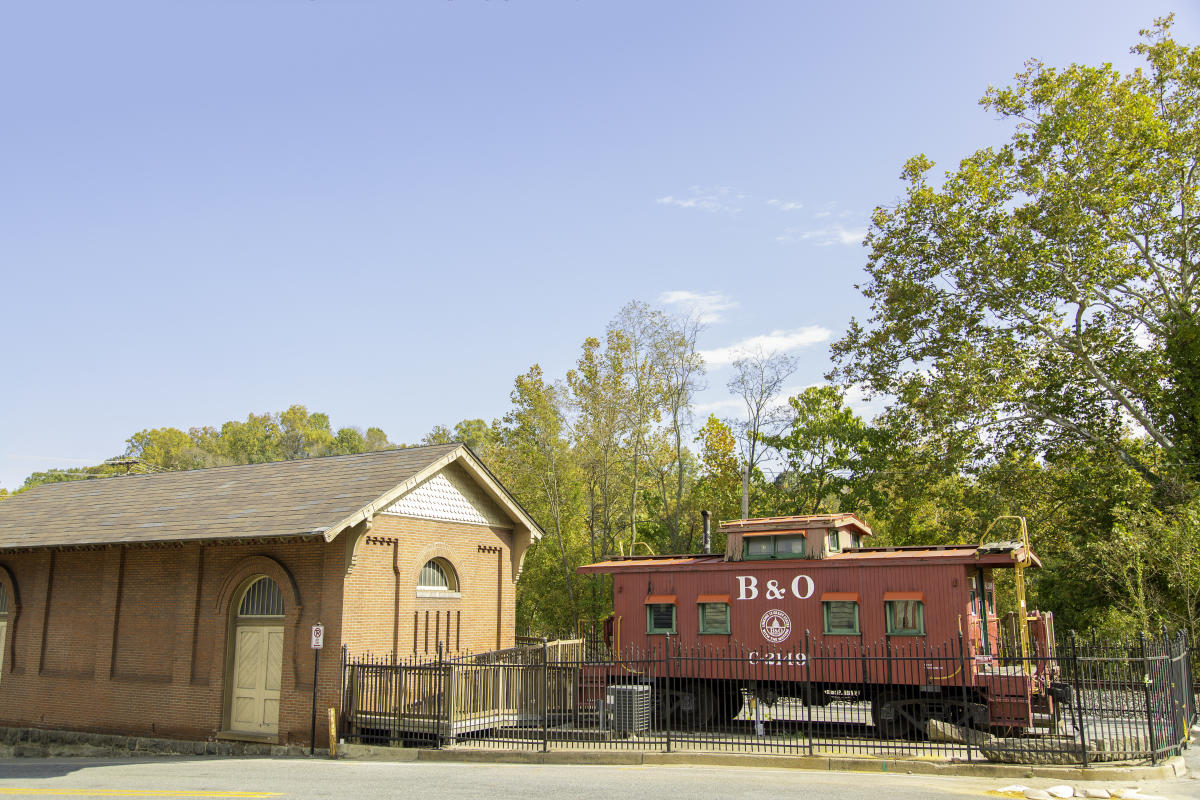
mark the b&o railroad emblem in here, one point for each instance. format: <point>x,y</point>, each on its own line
<point>776,626</point>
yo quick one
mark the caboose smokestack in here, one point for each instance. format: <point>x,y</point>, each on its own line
<point>706,537</point>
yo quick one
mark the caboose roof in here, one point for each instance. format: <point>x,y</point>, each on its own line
<point>795,524</point>
<point>966,554</point>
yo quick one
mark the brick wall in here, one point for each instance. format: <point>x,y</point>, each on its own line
<point>384,613</point>
<point>136,640</point>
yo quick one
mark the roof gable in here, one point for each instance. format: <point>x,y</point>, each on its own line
<point>450,495</point>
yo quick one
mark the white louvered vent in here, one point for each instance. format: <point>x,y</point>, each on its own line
<point>451,496</point>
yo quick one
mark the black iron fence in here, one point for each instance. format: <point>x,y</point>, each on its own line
<point>1085,702</point>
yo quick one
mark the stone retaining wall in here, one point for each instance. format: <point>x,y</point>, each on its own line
<point>39,743</point>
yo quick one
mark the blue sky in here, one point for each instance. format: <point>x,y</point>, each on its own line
<point>386,211</point>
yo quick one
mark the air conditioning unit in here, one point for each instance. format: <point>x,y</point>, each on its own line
<point>630,707</point>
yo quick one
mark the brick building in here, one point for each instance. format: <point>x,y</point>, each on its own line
<point>180,604</point>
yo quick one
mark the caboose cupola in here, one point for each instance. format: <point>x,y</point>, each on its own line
<point>813,536</point>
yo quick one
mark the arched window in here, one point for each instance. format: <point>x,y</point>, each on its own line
<point>437,576</point>
<point>262,599</point>
<point>3,602</point>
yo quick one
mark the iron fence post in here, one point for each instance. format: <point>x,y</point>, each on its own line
<point>342,697</point>
<point>962,672</point>
<point>444,695</point>
<point>667,690</point>
<point>1189,682</point>
<point>1146,691</point>
<point>808,690</point>
<point>545,695</point>
<point>1178,735</point>
<point>1083,745</point>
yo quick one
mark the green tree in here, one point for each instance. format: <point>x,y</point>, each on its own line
<point>1155,564</point>
<point>255,441</point>
<point>720,484</point>
<point>439,435</point>
<point>1045,291</point>
<point>347,441</point>
<point>303,435</point>
<point>376,439</point>
<point>822,447</point>
<point>539,469</point>
<point>70,474</point>
<point>758,377</point>
<point>294,433</point>
<point>168,448</point>
<point>683,371</point>
<point>476,434</point>
<point>598,399</point>
<point>642,333</point>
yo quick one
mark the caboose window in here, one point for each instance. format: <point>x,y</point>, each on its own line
<point>841,617</point>
<point>714,618</point>
<point>660,618</point>
<point>905,617</point>
<point>834,542</point>
<point>791,546</point>
<point>760,547</point>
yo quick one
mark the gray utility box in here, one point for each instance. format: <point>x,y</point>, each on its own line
<point>630,706</point>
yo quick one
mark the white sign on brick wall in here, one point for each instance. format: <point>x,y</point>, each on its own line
<point>318,636</point>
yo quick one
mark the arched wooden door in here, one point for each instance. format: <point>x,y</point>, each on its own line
<point>257,664</point>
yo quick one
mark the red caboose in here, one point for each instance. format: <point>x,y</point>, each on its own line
<point>812,613</point>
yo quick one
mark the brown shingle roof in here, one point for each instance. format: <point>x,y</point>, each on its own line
<point>282,498</point>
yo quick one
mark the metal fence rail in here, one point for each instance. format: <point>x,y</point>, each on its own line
<point>1113,700</point>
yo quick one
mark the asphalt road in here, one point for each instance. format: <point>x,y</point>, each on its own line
<point>312,779</point>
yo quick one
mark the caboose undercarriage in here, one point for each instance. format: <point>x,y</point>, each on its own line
<point>896,711</point>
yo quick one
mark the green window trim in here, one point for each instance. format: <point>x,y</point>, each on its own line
<point>714,618</point>
<point>905,617</point>
<point>841,618</point>
<point>833,542</point>
<point>657,616</point>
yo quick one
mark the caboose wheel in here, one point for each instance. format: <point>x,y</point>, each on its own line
<point>688,704</point>
<point>956,712</point>
<point>898,717</point>
<point>729,704</point>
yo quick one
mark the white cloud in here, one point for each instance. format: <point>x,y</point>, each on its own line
<point>775,341</point>
<point>784,205</point>
<point>707,198</point>
<point>722,408</point>
<point>706,307</point>
<point>824,237</point>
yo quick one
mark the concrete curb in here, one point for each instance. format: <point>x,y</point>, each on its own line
<point>1171,768</point>
<point>41,743</point>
